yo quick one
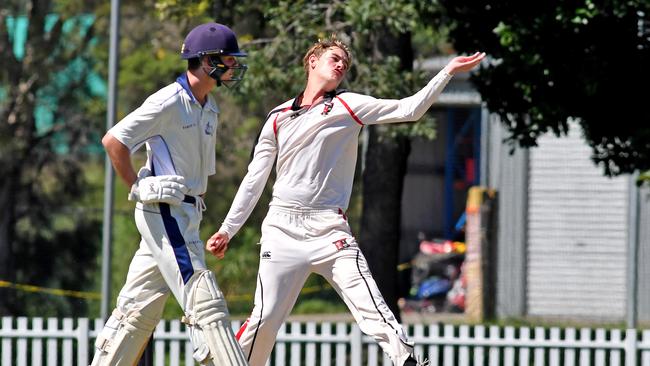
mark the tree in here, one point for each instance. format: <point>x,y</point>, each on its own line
<point>48,127</point>
<point>556,61</point>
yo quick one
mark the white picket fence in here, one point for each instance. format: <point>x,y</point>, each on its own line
<point>53,341</point>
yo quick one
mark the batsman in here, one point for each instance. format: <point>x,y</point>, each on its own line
<point>178,125</point>
<point>312,140</point>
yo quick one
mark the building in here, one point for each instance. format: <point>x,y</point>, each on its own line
<point>564,236</point>
<point>563,245</point>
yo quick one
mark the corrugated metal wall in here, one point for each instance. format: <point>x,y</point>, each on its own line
<point>644,257</point>
<point>562,234</point>
<point>508,174</point>
<point>577,232</point>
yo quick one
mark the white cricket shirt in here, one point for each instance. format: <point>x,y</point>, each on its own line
<point>316,152</point>
<point>179,133</point>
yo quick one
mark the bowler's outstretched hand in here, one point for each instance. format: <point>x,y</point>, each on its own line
<point>218,244</point>
<point>464,63</point>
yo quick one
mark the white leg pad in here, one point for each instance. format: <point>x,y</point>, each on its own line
<point>124,337</point>
<point>209,327</point>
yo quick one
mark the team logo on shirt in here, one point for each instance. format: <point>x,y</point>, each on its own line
<point>266,254</point>
<point>209,128</point>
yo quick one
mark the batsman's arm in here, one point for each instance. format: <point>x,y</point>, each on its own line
<point>120,156</point>
<point>131,133</point>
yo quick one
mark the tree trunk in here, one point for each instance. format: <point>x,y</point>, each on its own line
<point>383,180</point>
<point>6,241</point>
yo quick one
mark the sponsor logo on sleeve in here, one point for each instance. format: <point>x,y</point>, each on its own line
<point>341,244</point>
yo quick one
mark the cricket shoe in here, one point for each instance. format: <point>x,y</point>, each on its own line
<point>414,362</point>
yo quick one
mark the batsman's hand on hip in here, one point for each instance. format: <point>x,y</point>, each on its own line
<point>218,244</point>
<point>169,189</point>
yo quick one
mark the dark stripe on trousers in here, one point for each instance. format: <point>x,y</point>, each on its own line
<point>260,322</point>
<point>368,287</point>
<point>177,242</point>
<point>373,299</point>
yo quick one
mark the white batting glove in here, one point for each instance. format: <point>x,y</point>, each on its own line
<point>169,189</point>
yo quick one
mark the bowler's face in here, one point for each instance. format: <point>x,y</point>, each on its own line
<point>331,66</point>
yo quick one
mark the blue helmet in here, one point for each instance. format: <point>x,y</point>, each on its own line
<point>210,39</point>
<point>213,40</point>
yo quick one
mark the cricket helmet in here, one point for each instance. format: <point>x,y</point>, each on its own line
<point>210,39</point>
<point>214,40</point>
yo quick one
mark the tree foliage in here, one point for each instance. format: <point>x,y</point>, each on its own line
<point>556,61</point>
<point>49,114</point>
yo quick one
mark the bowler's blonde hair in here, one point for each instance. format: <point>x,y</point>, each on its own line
<point>321,47</point>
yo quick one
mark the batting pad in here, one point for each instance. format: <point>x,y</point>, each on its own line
<point>124,337</point>
<point>209,326</point>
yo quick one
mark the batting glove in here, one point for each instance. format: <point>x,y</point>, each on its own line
<point>169,189</point>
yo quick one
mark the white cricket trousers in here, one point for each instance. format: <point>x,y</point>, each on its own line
<point>296,243</point>
<point>171,247</point>
<point>170,253</point>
